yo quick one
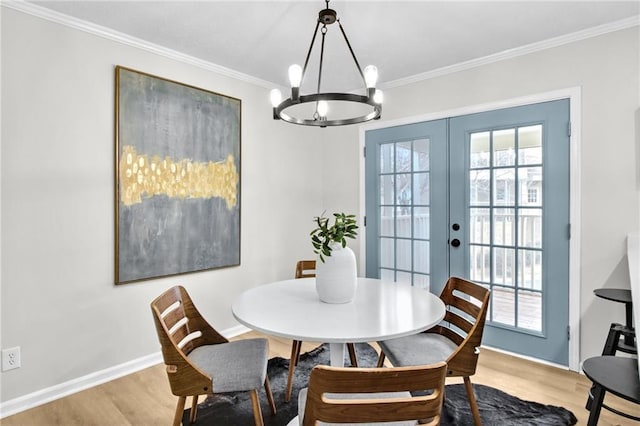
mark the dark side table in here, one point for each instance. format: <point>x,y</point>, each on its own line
<point>617,375</point>
<point>620,337</point>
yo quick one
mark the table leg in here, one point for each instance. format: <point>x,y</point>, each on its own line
<point>337,351</point>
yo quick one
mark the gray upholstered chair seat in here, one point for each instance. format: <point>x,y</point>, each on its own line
<point>418,349</point>
<point>221,361</point>
<point>302,400</point>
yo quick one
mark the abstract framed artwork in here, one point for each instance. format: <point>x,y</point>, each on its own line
<point>177,172</point>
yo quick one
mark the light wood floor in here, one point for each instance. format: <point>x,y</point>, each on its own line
<point>144,398</point>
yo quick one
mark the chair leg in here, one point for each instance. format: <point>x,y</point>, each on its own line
<point>255,403</point>
<point>194,409</point>
<point>596,405</point>
<point>352,354</point>
<point>177,418</point>
<point>293,361</point>
<point>381,359</point>
<point>472,402</point>
<point>610,348</point>
<point>267,390</point>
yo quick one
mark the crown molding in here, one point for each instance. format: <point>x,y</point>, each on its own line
<point>109,34</point>
<point>518,51</point>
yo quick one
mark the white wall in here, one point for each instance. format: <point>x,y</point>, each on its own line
<point>59,301</point>
<point>607,70</point>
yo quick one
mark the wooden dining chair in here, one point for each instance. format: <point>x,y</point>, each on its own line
<point>372,395</point>
<point>306,269</point>
<point>200,361</point>
<point>456,340</point>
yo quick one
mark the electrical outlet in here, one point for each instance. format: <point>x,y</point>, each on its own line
<point>11,358</point>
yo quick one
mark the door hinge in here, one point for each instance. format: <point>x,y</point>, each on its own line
<point>569,129</point>
<point>569,231</point>
<point>364,221</point>
<point>568,332</point>
<point>364,151</point>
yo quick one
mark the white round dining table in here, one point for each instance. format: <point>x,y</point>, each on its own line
<point>380,310</point>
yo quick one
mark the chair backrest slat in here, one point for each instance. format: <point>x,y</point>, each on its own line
<point>306,269</point>
<point>324,381</point>
<point>461,323</point>
<point>181,329</point>
<point>467,304</point>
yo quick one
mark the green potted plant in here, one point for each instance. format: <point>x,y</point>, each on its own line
<point>336,271</point>
<point>344,226</point>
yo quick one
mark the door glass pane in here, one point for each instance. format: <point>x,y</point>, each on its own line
<point>529,307</point>
<point>387,275</point>
<point>504,260</point>
<point>480,149</point>
<point>421,281</point>
<point>421,256</point>
<point>504,187</point>
<point>386,158</point>
<point>403,258</point>
<point>504,226</point>
<point>421,188</point>
<point>387,192</point>
<point>479,187</point>
<point>421,222</point>
<point>387,258</point>
<point>530,181</point>
<point>386,222</point>
<point>504,144</point>
<point>480,226</point>
<point>505,221</point>
<point>403,191</point>
<point>480,263</point>
<point>403,157</point>
<point>403,222</point>
<point>403,277</point>
<point>530,269</point>
<point>404,181</point>
<point>421,155</point>
<point>530,228</point>
<point>503,307</point>
<point>530,145</point>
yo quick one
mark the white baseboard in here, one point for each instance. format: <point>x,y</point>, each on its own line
<point>61,390</point>
<point>528,358</point>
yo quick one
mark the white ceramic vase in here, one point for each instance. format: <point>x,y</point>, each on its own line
<point>336,277</point>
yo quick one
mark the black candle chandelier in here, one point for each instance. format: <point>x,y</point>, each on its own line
<point>318,114</point>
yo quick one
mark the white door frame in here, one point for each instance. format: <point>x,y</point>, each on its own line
<point>574,94</point>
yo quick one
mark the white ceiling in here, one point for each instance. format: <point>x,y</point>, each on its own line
<point>403,38</point>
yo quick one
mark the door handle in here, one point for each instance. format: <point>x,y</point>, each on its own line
<point>455,242</point>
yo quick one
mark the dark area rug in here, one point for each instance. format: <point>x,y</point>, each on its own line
<point>496,407</point>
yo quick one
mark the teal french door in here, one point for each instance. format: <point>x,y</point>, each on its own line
<point>482,196</point>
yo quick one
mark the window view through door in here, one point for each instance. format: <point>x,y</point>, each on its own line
<point>400,214</point>
<point>505,229</point>
<point>404,211</point>
<point>485,197</point>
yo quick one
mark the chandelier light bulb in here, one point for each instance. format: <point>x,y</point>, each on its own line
<point>276,97</point>
<point>323,107</point>
<point>378,97</point>
<point>295,75</point>
<point>371,75</point>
